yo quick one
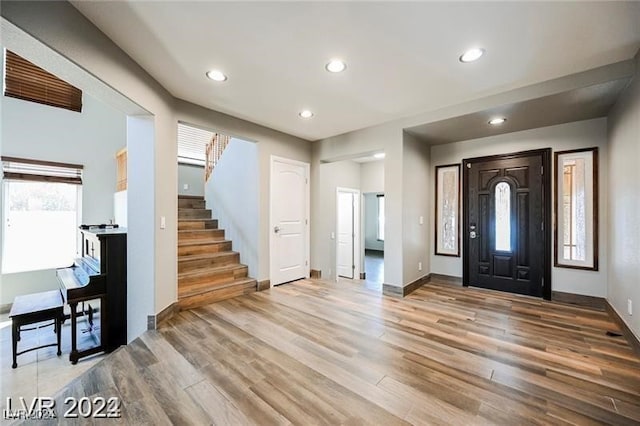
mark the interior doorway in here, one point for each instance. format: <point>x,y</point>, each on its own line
<point>507,217</point>
<point>374,223</point>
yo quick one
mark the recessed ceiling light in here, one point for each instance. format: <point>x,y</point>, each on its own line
<point>336,65</point>
<point>216,75</point>
<point>497,120</point>
<point>305,113</point>
<point>472,55</point>
<point>379,155</point>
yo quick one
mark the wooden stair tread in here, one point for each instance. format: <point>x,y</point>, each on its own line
<point>201,242</point>
<point>191,197</point>
<point>210,270</point>
<point>204,256</point>
<point>194,219</point>
<point>186,293</point>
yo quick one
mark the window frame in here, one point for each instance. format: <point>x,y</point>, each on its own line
<point>29,171</point>
<point>591,262</point>
<point>452,199</point>
<point>378,197</point>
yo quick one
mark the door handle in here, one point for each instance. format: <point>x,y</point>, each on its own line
<point>276,229</point>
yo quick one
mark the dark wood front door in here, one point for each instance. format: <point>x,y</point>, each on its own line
<point>507,216</point>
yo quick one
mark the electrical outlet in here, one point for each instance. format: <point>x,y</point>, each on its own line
<point>419,266</point>
<point>185,186</point>
<point>333,235</point>
<point>629,307</point>
<point>421,220</point>
<point>163,222</point>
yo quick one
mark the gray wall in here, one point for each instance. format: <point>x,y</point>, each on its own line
<point>624,203</point>
<point>193,176</point>
<point>232,194</point>
<point>415,208</point>
<point>90,138</point>
<point>372,176</point>
<point>582,134</point>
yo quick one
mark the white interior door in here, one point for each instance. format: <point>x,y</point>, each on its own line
<point>346,235</point>
<point>289,220</point>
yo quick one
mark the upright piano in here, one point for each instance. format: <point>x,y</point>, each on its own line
<point>101,273</point>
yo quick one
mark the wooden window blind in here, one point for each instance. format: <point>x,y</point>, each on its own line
<point>41,171</point>
<point>27,81</point>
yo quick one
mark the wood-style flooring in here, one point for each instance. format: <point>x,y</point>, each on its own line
<point>315,352</point>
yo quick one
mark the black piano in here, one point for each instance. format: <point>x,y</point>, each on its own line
<point>101,273</point>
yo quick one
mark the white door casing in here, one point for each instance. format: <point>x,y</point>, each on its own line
<point>348,233</point>
<point>289,223</point>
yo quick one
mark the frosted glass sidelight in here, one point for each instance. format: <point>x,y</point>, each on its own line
<point>449,211</point>
<point>575,208</point>
<point>503,216</point>
<point>576,188</point>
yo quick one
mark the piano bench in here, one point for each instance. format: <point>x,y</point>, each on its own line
<point>34,308</point>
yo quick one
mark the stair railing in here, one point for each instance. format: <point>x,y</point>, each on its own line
<point>213,152</point>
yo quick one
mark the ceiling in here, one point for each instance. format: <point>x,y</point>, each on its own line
<point>402,57</point>
<point>583,103</point>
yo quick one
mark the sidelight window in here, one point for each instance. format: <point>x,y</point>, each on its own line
<point>576,209</point>
<point>503,216</point>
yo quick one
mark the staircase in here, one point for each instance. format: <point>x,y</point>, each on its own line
<point>208,270</point>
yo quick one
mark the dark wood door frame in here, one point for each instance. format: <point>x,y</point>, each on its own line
<point>547,206</point>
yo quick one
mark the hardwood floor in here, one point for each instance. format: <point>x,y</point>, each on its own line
<point>316,352</point>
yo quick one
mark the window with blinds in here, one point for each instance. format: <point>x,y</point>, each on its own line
<point>27,81</point>
<point>41,171</point>
<point>40,198</point>
<point>192,144</point>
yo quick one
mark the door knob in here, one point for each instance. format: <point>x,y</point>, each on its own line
<point>473,235</point>
<point>276,229</point>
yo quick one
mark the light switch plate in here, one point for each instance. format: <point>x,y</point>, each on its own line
<point>163,222</point>
<point>185,186</point>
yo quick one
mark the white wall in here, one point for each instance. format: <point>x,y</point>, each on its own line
<point>371,241</point>
<point>582,134</point>
<point>193,176</point>
<point>90,138</point>
<point>140,207</point>
<point>232,194</point>
<point>624,203</point>
<point>415,205</point>
<point>330,176</point>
